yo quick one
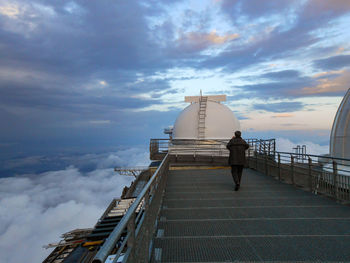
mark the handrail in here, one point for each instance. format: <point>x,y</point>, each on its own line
<point>327,175</point>
<point>313,155</point>
<point>113,238</point>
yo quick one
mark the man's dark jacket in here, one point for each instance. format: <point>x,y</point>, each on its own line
<point>237,147</point>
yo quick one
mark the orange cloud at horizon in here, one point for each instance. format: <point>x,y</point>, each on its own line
<point>327,73</point>
<point>325,85</point>
<point>282,115</point>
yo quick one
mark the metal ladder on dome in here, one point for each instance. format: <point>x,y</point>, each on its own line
<point>201,116</point>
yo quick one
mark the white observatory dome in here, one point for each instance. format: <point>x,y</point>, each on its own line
<point>340,135</point>
<point>219,122</point>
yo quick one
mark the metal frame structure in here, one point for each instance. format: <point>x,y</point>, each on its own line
<point>319,174</point>
<point>131,171</point>
<point>139,226</point>
<point>159,147</point>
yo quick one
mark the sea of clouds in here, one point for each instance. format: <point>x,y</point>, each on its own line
<point>36,208</point>
<point>286,145</point>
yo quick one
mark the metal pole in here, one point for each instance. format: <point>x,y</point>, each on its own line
<point>131,240</point>
<point>110,242</point>
<point>335,180</point>
<point>260,146</point>
<point>310,174</point>
<point>292,167</point>
<point>279,167</point>
<point>266,169</point>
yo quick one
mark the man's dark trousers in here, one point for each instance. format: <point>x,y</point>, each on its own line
<point>236,171</point>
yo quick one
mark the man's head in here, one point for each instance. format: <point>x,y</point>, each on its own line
<point>238,134</point>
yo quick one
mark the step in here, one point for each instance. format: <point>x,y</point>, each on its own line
<point>253,249</point>
<point>259,226</point>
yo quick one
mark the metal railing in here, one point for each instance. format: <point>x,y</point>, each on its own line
<point>206,147</point>
<point>319,174</point>
<point>134,232</point>
<point>158,148</point>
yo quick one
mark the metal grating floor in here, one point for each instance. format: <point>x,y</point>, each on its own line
<point>204,220</point>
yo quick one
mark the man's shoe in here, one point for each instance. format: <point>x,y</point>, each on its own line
<point>237,187</point>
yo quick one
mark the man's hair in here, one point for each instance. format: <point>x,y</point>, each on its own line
<point>238,134</point>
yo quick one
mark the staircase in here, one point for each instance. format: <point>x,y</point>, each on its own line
<point>201,117</point>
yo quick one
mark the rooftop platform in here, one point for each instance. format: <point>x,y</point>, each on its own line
<point>202,219</point>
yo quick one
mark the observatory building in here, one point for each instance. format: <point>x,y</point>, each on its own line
<point>183,207</point>
<point>339,142</point>
<point>205,118</point>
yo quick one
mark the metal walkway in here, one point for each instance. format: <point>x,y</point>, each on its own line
<point>203,219</point>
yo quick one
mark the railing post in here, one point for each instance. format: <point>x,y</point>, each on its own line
<point>310,173</point>
<point>131,239</point>
<point>292,167</point>
<point>335,180</point>
<point>260,146</point>
<point>266,168</point>
<point>256,160</point>
<point>279,167</point>
<point>147,200</point>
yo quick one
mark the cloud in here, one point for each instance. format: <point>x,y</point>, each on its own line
<point>282,115</point>
<point>277,30</point>
<point>198,41</point>
<point>329,85</point>
<point>280,106</point>
<point>291,84</point>
<point>35,209</point>
<point>315,8</point>
<point>333,63</point>
<point>332,73</point>
<point>286,145</point>
<point>255,8</point>
<point>280,75</point>
<point>131,156</point>
<point>11,11</point>
<point>277,89</point>
<point>75,73</point>
<point>100,122</point>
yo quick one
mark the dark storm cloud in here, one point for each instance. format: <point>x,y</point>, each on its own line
<point>333,63</point>
<point>280,106</point>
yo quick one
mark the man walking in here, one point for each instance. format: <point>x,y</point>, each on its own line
<point>237,147</point>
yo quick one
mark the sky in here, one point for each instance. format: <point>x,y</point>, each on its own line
<point>87,76</point>
<point>84,85</point>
